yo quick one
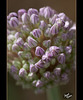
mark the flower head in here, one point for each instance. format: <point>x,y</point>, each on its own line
<point>41,47</point>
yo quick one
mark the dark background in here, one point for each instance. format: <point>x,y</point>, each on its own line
<point>69,8</point>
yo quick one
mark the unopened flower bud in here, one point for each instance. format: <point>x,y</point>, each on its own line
<point>42,24</point>
<point>68,49</point>
<point>39,83</point>
<point>47,43</point>
<point>25,18</point>
<point>19,42</point>
<point>34,19</point>
<point>22,72</point>
<point>32,42</point>
<point>57,71</point>
<point>36,33</point>
<point>13,14</point>
<point>61,58</point>
<point>32,11</point>
<point>21,12</point>
<point>47,74</point>
<point>13,22</point>
<point>33,68</point>
<point>39,51</point>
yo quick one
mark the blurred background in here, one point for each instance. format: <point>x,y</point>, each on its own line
<point>69,8</point>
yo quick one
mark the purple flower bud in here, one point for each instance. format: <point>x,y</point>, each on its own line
<point>61,58</point>
<point>64,37</point>
<point>26,46</point>
<point>47,43</point>
<point>34,18</point>
<point>57,71</point>
<point>48,12</point>
<point>68,49</point>
<point>39,83</point>
<point>33,68</point>
<point>17,34</point>
<point>13,22</point>
<point>21,12</point>
<point>47,32</point>
<point>15,47</point>
<point>13,14</point>
<point>39,51</point>
<point>42,24</point>
<point>36,33</point>
<point>60,22</point>
<point>19,42</point>
<point>71,32</point>
<point>13,69</point>
<point>45,58</point>
<point>67,25</point>
<point>32,11</point>
<point>32,42</point>
<point>25,18</point>
<point>55,50</point>
<point>39,64</point>
<point>53,19</point>
<point>54,29</point>
<point>22,72</point>
<point>41,11</point>
<point>47,74</point>
<point>62,16</point>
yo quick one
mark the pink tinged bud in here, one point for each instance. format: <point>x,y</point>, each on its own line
<point>39,51</point>
<point>39,83</point>
<point>60,22</point>
<point>67,25</point>
<point>13,14</point>
<point>22,72</point>
<point>57,71</point>
<point>32,11</point>
<point>48,12</point>
<point>39,64</point>
<point>34,19</point>
<point>13,22</point>
<point>42,24</point>
<point>21,12</point>
<point>54,30</point>
<point>33,68</point>
<point>53,19</point>
<point>47,32</point>
<point>47,74</point>
<point>17,35</point>
<point>36,33</point>
<point>26,46</point>
<point>62,16</point>
<point>47,43</point>
<point>25,18</point>
<point>15,47</point>
<point>64,37</point>
<point>32,42</point>
<point>20,42</point>
<point>61,58</point>
<point>55,50</point>
<point>41,11</point>
<point>68,49</point>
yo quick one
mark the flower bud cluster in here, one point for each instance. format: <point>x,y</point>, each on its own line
<point>41,47</point>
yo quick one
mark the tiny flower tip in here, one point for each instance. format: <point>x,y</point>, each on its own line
<point>22,72</point>
<point>36,33</point>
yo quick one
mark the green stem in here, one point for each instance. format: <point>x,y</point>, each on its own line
<point>53,93</point>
